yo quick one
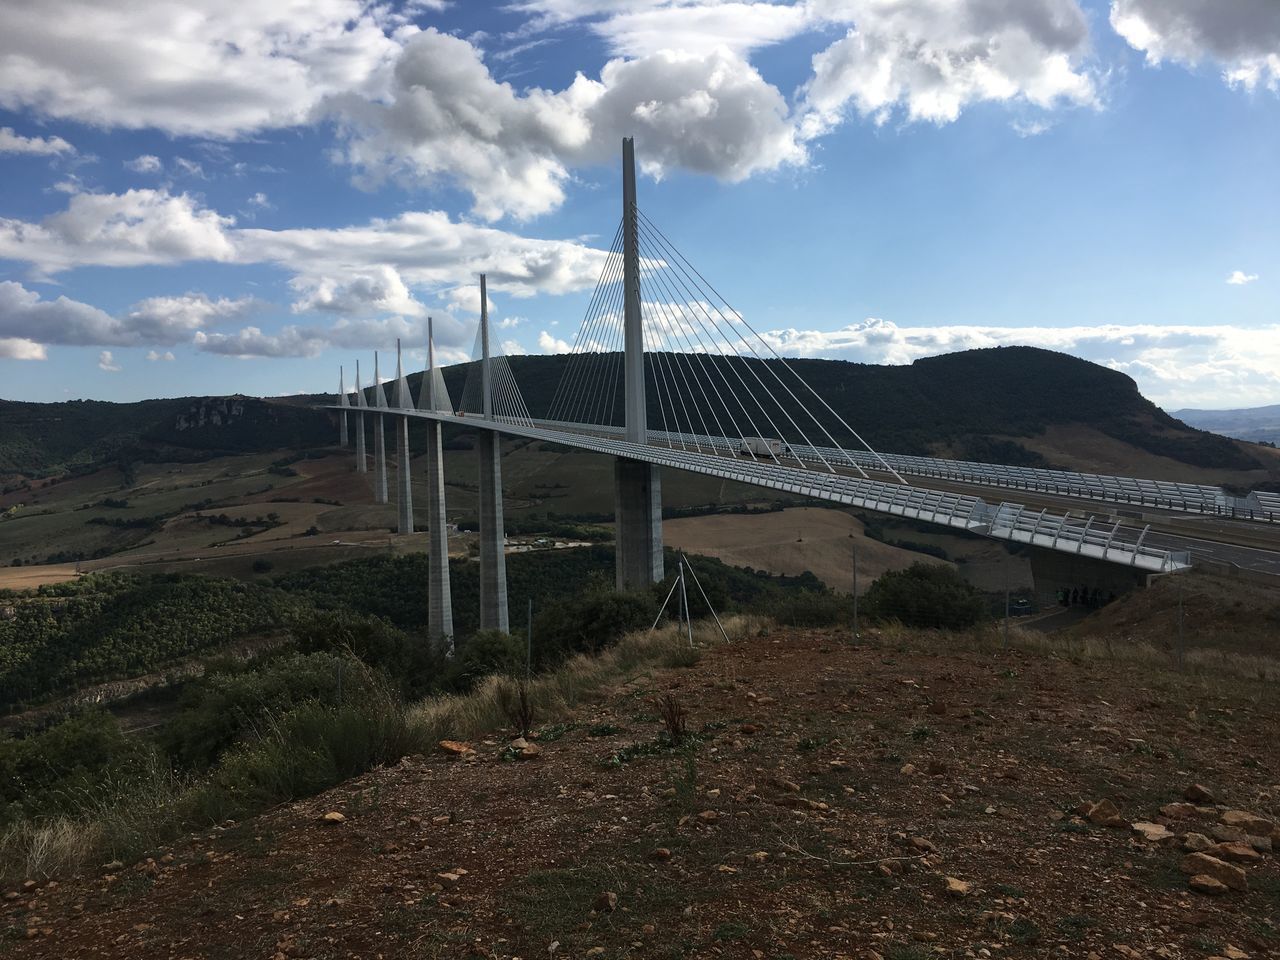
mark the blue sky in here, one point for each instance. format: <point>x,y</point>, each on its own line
<point>199,200</point>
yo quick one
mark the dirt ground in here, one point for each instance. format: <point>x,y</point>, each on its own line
<point>790,542</point>
<point>890,800</point>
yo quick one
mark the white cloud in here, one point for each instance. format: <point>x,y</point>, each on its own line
<point>1031,128</point>
<point>11,142</point>
<point>251,342</point>
<point>163,321</point>
<point>144,163</point>
<point>197,68</point>
<point>427,249</point>
<point>510,323</point>
<point>701,28</point>
<point>1239,278</point>
<point>380,289</point>
<point>153,356</point>
<point>107,362</point>
<point>119,230</point>
<point>259,199</point>
<point>18,348</point>
<point>549,344</point>
<point>934,58</point>
<point>1241,36</point>
<point>448,119</point>
<point>1175,366</point>
<point>190,167</point>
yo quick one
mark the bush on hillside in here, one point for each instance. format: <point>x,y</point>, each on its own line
<point>925,595</point>
<point>225,707</point>
<point>69,766</point>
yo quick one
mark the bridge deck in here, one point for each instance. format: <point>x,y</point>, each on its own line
<point>1005,521</point>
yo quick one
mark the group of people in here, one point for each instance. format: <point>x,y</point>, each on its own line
<point>1084,597</point>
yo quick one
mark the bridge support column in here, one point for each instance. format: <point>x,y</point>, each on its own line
<point>638,523</point>
<point>404,476</point>
<point>362,459</point>
<point>380,459</point>
<point>439,595</point>
<point>493,557</point>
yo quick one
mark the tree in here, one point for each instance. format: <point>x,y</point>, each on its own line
<point>925,595</point>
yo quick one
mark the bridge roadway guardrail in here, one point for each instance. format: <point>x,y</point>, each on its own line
<point>1161,494</point>
<point>1005,521</point>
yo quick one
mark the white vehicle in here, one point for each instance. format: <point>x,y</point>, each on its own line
<point>763,447</point>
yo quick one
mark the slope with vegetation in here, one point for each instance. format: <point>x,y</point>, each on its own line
<point>917,794</point>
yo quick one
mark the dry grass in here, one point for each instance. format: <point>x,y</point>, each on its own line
<point>1202,661</point>
<point>552,695</point>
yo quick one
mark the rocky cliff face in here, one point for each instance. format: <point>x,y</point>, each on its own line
<point>211,412</point>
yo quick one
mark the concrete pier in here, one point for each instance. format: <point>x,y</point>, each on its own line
<point>493,555</point>
<point>637,488</point>
<point>404,477</point>
<point>380,459</point>
<point>404,468</point>
<point>439,593</point>
<point>362,459</point>
<point>379,437</point>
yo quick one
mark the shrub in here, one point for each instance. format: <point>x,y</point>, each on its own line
<point>224,707</point>
<point>925,595</point>
<point>69,766</point>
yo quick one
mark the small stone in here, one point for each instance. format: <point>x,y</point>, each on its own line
<point>449,879</point>
<point>596,952</point>
<point>1106,814</point>
<point>1194,864</point>
<point>1225,834</point>
<point>456,748</point>
<point>956,888</point>
<point>1203,883</point>
<point>1195,842</point>
<point>708,816</point>
<point>908,770</point>
<point>606,902</point>
<point>1198,793</point>
<point>1178,811</point>
<point>923,845</point>
<point>760,856</point>
<point>750,729</point>
<point>660,855</point>
<point>1250,823</point>
<point>332,817</point>
<point>1152,832</point>
<point>1234,852</point>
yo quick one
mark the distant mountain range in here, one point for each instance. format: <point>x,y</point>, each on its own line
<point>993,405</point>
<point>1259,424</point>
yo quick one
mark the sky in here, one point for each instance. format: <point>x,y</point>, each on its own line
<point>209,197</point>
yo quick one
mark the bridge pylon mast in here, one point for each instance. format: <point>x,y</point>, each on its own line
<point>493,557</point>
<point>637,485</point>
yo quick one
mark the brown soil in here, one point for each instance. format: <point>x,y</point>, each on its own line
<point>795,829</point>
<point>790,542</point>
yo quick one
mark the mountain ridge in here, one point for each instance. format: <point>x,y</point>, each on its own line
<point>974,405</point>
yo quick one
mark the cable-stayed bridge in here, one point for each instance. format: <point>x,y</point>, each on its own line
<point>664,373</point>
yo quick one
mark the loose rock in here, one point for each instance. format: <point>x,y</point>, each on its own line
<point>1195,864</point>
